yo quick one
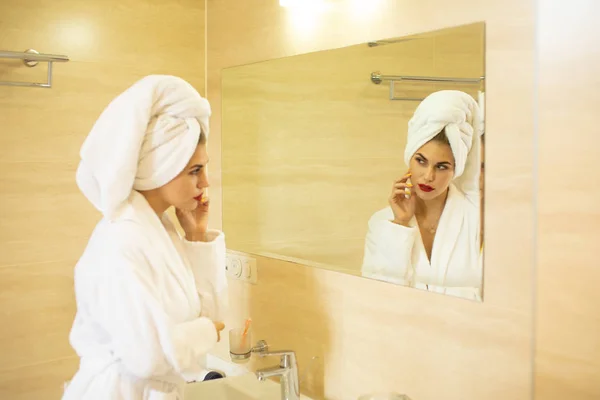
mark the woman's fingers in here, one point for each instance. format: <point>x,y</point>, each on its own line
<point>405,178</point>
<point>403,185</point>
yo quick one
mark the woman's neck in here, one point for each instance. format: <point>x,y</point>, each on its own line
<point>431,207</point>
<point>155,201</point>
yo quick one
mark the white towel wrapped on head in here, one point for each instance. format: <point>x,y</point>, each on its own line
<point>142,140</point>
<point>460,116</point>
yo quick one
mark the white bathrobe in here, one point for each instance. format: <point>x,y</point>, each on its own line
<point>395,253</point>
<point>146,299</point>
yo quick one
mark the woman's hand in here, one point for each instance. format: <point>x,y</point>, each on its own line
<point>195,222</point>
<point>402,201</point>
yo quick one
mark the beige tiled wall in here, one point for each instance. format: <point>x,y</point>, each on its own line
<point>44,220</point>
<point>567,361</point>
<point>369,335</point>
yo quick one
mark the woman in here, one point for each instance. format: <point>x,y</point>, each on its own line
<point>148,301</point>
<point>429,235</point>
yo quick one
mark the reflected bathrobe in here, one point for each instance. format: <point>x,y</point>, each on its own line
<point>395,253</point>
<point>146,299</point>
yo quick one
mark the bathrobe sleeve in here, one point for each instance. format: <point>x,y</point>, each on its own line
<point>470,187</point>
<point>146,340</point>
<point>208,265</point>
<point>388,249</point>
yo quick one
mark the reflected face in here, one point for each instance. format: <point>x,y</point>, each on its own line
<point>183,192</point>
<point>432,169</point>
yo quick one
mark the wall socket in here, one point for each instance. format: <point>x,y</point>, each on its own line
<point>241,268</point>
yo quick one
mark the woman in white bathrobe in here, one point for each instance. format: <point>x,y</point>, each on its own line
<point>429,236</point>
<point>149,302</point>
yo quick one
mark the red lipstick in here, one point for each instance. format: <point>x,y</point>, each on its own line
<point>426,188</point>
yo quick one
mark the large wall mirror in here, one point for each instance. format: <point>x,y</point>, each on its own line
<point>366,160</point>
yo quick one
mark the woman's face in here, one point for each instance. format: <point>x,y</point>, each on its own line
<point>432,169</point>
<point>185,190</point>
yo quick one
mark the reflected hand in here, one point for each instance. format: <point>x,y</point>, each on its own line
<point>402,201</point>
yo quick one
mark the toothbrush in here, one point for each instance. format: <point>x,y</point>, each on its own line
<point>247,326</point>
<point>245,332</point>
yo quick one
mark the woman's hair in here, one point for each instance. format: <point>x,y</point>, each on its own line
<point>202,139</point>
<point>441,137</point>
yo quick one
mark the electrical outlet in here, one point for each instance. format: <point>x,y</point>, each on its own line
<point>241,267</point>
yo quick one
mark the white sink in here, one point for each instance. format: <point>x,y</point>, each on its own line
<point>243,387</point>
<point>240,384</point>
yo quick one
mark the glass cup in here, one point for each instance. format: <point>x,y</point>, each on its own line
<point>240,345</point>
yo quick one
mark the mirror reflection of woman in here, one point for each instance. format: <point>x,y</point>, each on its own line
<point>429,236</point>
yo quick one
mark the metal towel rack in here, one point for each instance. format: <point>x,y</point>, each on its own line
<point>31,58</point>
<point>377,78</point>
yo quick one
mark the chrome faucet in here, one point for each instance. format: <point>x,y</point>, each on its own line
<point>287,370</point>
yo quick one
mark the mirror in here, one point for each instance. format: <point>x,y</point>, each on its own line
<point>314,145</point>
